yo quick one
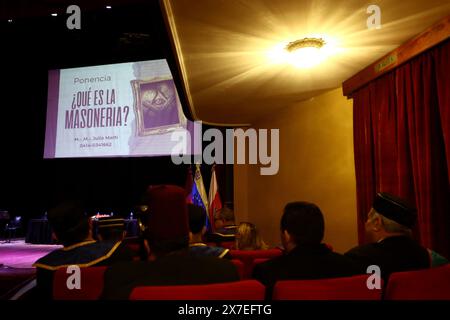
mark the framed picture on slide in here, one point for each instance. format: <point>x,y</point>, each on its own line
<point>156,106</point>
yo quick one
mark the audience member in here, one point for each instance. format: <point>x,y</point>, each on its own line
<point>225,227</point>
<point>169,262</point>
<point>388,231</point>
<point>302,229</point>
<point>73,229</point>
<point>248,237</point>
<point>197,221</point>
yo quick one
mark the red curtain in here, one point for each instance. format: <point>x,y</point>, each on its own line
<point>402,143</point>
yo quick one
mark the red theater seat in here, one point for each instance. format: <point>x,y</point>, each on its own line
<point>427,284</point>
<point>252,266</point>
<point>254,263</point>
<point>227,244</point>
<point>255,254</point>
<point>349,288</point>
<point>241,290</point>
<point>134,247</point>
<point>248,257</point>
<point>240,267</point>
<point>91,284</point>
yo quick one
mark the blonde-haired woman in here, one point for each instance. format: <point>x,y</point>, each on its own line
<point>248,238</point>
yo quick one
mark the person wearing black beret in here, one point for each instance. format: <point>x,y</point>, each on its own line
<point>389,234</point>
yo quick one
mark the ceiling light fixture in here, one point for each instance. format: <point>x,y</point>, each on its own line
<point>54,14</point>
<point>314,43</point>
<point>305,52</point>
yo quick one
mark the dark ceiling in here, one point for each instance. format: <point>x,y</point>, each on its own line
<point>18,9</point>
<point>35,42</point>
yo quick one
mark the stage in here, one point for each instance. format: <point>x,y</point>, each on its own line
<point>16,260</point>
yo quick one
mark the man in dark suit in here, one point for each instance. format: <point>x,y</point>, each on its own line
<point>167,241</point>
<point>302,230</point>
<point>388,231</point>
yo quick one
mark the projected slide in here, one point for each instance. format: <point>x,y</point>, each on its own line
<point>126,109</point>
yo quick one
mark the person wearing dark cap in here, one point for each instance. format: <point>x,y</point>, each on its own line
<point>73,229</point>
<point>226,228</point>
<point>169,259</point>
<point>302,229</point>
<point>197,221</point>
<point>388,231</point>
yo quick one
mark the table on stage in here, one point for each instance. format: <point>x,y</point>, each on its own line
<point>131,228</point>
<point>40,232</point>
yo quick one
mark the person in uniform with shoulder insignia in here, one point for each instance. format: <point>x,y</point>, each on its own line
<point>197,219</point>
<point>73,229</point>
<point>225,227</point>
<point>388,231</point>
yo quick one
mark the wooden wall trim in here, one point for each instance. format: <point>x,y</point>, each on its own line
<point>169,20</point>
<point>424,41</point>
